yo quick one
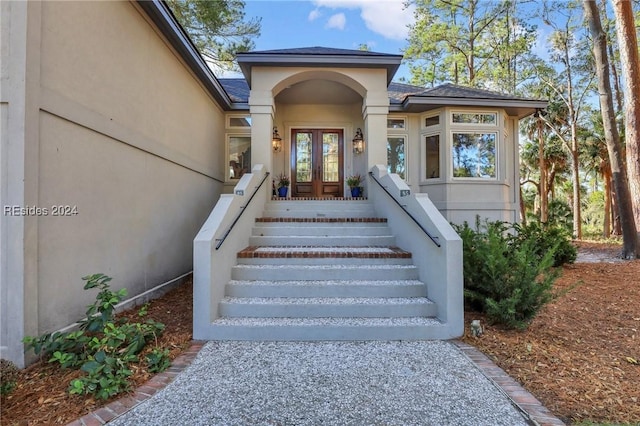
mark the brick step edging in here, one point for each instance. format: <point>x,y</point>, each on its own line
<point>314,253</point>
<point>323,219</point>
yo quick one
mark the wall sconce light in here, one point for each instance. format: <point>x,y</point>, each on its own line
<point>276,141</point>
<point>358,142</point>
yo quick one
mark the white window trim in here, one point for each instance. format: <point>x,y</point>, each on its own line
<point>485,130</point>
<point>230,116</point>
<point>228,136</point>
<point>406,151</point>
<point>423,158</point>
<point>398,117</point>
<point>482,125</point>
<point>423,121</point>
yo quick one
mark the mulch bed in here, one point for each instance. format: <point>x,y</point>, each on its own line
<point>573,357</point>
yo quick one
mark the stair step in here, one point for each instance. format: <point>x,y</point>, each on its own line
<point>328,288</point>
<point>308,307</point>
<point>271,272</point>
<point>324,230</point>
<point>323,328</point>
<point>329,240</point>
<point>270,252</point>
<point>315,219</point>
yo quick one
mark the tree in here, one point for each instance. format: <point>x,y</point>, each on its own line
<point>628,44</point>
<point>217,28</point>
<point>469,42</point>
<point>571,84</point>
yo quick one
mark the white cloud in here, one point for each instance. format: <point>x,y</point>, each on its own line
<point>388,18</point>
<point>314,14</point>
<point>337,21</point>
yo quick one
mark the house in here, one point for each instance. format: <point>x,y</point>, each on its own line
<point>118,144</point>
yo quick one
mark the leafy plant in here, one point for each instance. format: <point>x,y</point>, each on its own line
<point>8,377</point>
<point>283,180</point>
<point>158,360</point>
<point>505,276</point>
<point>354,181</point>
<point>103,348</point>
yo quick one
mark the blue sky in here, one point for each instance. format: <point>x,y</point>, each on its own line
<point>345,24</point>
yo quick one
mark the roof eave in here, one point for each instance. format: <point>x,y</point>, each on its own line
<point>159,13</point>
<point>516,107</point>
<point>249,60</point>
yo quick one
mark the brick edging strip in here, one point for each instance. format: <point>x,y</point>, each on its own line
<point>520,397</point>
<point>147,390</point>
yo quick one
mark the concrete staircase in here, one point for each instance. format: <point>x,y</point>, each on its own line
<point>324,270</point>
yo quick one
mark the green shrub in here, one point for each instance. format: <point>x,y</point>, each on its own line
<point>103,348</point>
<point>8,377</point>
<point>505,276</point>
<point>548,237</point>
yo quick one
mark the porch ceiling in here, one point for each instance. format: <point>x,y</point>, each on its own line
<point>318,92</point>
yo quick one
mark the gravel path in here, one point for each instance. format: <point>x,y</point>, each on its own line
<point>328,383</point>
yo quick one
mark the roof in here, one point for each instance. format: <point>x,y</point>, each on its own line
<point>321,57</point>
<point>410,98</point>
<point>454,95</point>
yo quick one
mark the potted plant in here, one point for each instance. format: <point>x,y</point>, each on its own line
<point>355,183</point>
<point>283,185</point>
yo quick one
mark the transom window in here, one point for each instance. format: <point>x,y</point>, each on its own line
<point>475,118</point>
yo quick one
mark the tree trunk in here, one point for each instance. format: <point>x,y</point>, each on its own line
<point>606,226</point>
<point>544,193</point>
<point>628,43</point>
<point>629,237</point>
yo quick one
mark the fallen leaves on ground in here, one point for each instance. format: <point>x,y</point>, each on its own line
<point>577,355</point>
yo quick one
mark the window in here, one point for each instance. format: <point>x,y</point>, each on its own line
<point>396,161</point>
<point>396,123</point>
<point>474,155</point>
<point>239,156</point>
<point>432,160</point>
<point>432,121</point>
<point>242,121</point>
<point>474,118</point>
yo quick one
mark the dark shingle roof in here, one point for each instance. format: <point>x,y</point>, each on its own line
<point>237,89</point>
<point>318,50</point>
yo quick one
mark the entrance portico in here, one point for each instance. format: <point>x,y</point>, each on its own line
<point>318,98</point>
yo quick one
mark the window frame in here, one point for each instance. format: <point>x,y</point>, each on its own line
<point>405,136</point>
<point>495,132</point>
<point>227,151</point>
<point>483,125</point>
<point>441,143</point>
<point>245,116</point>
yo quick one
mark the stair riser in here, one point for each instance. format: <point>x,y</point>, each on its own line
<point>275,290</point>
<point>318,214</point>
<point>301,273</point>
<point>310,261</point>
<point>340,241</point>
<point>321,310</point>
<point>317,333</point>
<point>323,231</point>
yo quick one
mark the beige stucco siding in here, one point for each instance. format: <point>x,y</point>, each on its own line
<point>136,217</point>
<point>104,117</point>
<point>104,57</point>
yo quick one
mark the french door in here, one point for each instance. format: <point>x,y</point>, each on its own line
<point>317,158</point>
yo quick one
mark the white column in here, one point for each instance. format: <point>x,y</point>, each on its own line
<point>375,111</point>
<point>262,111</point>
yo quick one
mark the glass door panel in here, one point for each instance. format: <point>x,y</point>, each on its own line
<point>330,157</point>
<point>304,155</point>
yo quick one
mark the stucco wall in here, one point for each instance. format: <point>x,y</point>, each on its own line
<point>126,135</point>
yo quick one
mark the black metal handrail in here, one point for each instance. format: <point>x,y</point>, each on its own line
<point>242,209</point>
<point>434,239</point>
